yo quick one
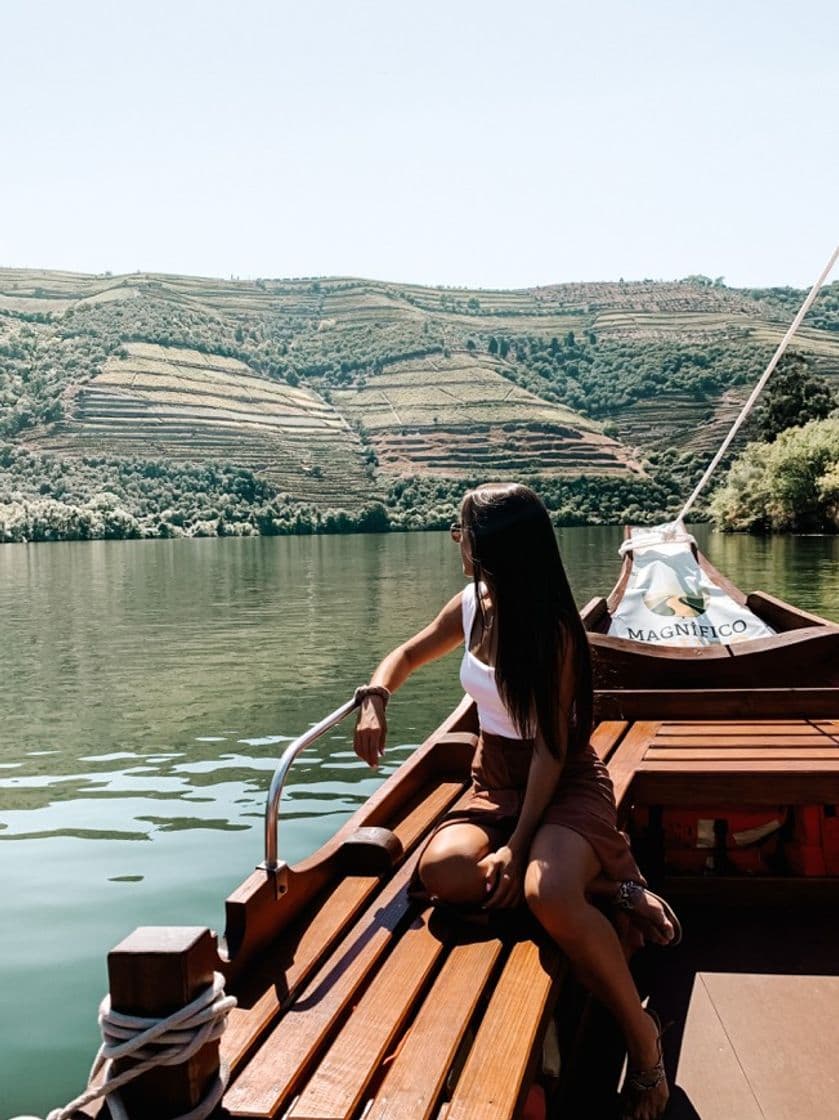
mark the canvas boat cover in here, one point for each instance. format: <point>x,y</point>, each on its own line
<point>670,600</point>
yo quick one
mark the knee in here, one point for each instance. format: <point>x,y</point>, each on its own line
<point>557,903</point>
<point>451,875</point>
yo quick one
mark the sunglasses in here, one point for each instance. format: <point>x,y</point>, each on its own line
<point>456,531</point>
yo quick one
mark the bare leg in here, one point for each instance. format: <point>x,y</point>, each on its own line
<point>562,867</point>
<point>448,867</point>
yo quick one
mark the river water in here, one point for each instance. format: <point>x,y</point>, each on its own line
<point>148,688</point>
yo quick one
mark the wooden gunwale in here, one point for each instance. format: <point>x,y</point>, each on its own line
<point>253,918</point>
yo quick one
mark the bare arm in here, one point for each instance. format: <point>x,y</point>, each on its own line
<point>441,636</point>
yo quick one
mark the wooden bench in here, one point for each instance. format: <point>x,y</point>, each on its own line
<point>726,764</point>
<point>731,762</point>
<point>374,1003</point>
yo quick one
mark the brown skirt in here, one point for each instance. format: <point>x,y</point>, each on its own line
<point>584,800</point>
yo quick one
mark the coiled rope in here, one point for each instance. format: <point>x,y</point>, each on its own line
<point>755,393</point>
<point>154,1042</point>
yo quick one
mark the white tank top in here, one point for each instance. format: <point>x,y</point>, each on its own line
<point>478,678</point>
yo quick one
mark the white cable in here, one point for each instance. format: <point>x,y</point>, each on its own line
<point>154,1042</point>
<point>776,357</point>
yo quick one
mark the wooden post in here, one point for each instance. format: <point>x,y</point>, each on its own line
<point>157,970</point>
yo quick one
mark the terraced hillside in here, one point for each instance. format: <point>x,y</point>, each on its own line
<point>161,402</point>
<point>460,416</point>
<point>317,397</point>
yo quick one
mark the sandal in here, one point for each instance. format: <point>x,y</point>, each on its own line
<point>641,1081</point>
<point>625,897</point>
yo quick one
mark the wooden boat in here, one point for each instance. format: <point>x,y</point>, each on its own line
<point>358,1002</point>
<point>355,1000</point>
<point>803,652</point>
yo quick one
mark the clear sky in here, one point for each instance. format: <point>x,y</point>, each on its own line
<point>490,144</point>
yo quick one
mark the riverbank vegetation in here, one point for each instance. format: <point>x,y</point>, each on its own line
<point>790,484</point>
<point>45,498</point>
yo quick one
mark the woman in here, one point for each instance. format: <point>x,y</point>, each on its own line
<point>540,824</point>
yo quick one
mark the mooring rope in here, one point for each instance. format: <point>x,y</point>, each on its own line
<point>154,1042</point>
<point>747,407</point>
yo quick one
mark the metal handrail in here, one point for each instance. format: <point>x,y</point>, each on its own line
<point>274,866</point>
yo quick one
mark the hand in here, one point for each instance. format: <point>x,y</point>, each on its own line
<point>504,879</point>
<point>371,730</point>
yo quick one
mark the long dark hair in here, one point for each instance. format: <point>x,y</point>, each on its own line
<point>514,551</point>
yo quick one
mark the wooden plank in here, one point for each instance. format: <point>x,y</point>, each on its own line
<point>279,1065</point>
<point>496,1070</point>
<point>781,615</point>
<point>738,754</point>
<point>689,755</point>
<point>606,736</point>
<point>411,829</point>
<point>786,766</point>
<point>624,762</point>
<point>736,703</point>
<point>680,785</point>
<point>741,727</point>
<point>415,1080</point>
<point>254,921</point>
<point>741,742</point>
<point>292,963</point>
<point>726,731</point>
<point>594,615</point>
<point>288,967</point>
<point>785,1032</point>
<point>347,1068</point>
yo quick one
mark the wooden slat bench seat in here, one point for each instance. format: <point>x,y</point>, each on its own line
<point>494,1077</point>
<point>728,762</point>
<point>283,972</point>
<point>403,999</point>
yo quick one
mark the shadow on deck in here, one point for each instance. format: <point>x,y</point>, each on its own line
<point>751,997</point>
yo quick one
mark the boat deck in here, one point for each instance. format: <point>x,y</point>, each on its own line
<point>750,1003</point>
<point>358,1000</point>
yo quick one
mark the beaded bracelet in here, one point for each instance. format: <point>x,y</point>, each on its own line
<point>366,690</point>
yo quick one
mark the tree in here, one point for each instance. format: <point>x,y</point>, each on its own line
<point>794,396</point>
<point>374,519</point>
<point>788,485</point>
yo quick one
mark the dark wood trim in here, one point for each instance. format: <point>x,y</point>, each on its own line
<point>718,703</point>
<point>772,784</point>
<point>594,614</point>
<point>616,594</point>
<point>624,762</point>
<point>783,616</point>
<point>658,656</point>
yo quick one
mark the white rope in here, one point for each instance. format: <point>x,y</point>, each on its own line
<point>747,407</point>
<point>154,1042</point>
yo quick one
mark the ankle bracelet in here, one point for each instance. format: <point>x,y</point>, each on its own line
<point>626,894</point>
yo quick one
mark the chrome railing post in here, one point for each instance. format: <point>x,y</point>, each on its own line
<point>276,867</point>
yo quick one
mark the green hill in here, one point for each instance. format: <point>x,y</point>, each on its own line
<point>201,405</point>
